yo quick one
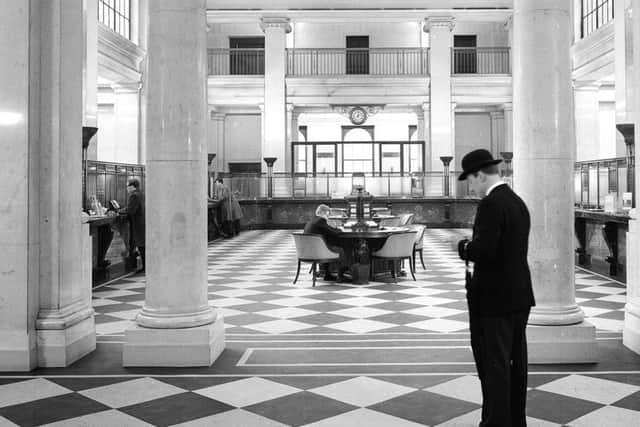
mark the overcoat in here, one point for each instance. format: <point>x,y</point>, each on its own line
<point>135,214</point>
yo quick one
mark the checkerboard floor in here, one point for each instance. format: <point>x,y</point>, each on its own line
<point>382,354</point>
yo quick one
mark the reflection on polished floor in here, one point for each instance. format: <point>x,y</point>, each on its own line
<point>383,354</point>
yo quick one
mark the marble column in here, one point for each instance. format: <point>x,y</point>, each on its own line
<point>65,323</point>
<point>176,326</point>
<point>126,117</point>
<point>441,121</point>
<point>544,154</point>
<point>19,228</point>
<point>216,140</point>
<point>275,120</point>
<point>90,69</point>
<point>587,119</point>
<point>508,128</point>
<point>425,108</point>
<point>497,132</point>
<point>292,132</point>
<point>624,64</point>
<point>631,331</point>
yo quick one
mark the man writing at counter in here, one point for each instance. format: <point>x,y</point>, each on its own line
<point>319,225</point>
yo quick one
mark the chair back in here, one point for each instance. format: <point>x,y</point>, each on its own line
<point>419,229</point>
<point>312,246</point>
<point>397,246</point>
<point>406,219</point>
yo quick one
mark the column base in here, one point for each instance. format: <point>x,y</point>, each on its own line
<point>562,344</point>
<point>61,347</point>
<point>631,331</point>
<point>18,351</point>
<point>197,346</point>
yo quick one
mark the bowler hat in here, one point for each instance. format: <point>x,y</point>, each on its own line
<point>476,160</point>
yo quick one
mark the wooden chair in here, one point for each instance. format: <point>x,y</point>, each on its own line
<point>396,248</point>
<point>312,248</point>
<point>418,244</point>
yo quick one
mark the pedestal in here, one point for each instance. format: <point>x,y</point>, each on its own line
<point>199,346</point>
<point>562,344</point>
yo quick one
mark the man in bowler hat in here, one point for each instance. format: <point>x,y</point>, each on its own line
<point>499,291</point>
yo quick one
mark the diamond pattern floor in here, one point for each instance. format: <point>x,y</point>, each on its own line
<point>383,354</point>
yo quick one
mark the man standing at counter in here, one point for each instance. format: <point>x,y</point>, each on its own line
<point>499,291</point>
<point>319,225</point>
<point>135,214</point>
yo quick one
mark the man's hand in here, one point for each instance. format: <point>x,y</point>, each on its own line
<point>462,249</point>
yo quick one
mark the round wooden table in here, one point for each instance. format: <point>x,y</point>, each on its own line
<point>361,243</point>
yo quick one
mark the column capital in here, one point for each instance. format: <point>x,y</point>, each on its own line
<point>508,24</point>
<point>496,114</point>
<point>507,106</point>
<point>275,22</point>
<point>425,107</point>
<point>453,106</point>
<point>261,108</point>
<point>439,22</point>
<point>290,108</point>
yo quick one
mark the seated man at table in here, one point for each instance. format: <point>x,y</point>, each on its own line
<point>319,225</point>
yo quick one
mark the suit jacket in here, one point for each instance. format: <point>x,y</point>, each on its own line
<point>135,212</point>
<point>501,281</point>
<point>319,225</point>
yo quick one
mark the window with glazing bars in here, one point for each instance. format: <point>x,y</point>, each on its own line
<point>116,14</point>
<point>595,13</point>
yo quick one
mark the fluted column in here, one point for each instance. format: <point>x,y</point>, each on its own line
<point>497,132</point>
<point>275,120</point>
<point>428,148</point>
<point>544,153</point>
<point>441,121</point>
<point>508,128</point>
<point>216,140</point>
<point>631,332</point>
<point>176,326</point>
<point>292,133</point>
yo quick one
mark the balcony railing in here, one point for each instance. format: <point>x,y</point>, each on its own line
<point>373,61</point>
<point>223,62</point>
<point>480,60</point>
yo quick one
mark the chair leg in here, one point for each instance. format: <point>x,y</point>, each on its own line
<point>413,255</point>
<point>297,273</point>
<point>393,271</point>
<point>310,269</point>
<point>313,267</point>
<point>421,260</point>
<point>412,266</point>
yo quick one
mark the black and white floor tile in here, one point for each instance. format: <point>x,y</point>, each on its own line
<point>382,354</point>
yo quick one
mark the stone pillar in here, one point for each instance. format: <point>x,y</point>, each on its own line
<point>631,332</point>
<point>292,134</point>
<point>624,64</point>
<point>176,326</point>
<point>508,127</point>
<point>126,120</point>
<point>497,132</point>
<point>19,169</point>
<point>426,132</point>
<point>441,41</point>
<point>275,60</point>
<point>544,154</point>
<point>216,140</point>
<point>90,69</point>
<point>65,324</point>
<point>587,119</point>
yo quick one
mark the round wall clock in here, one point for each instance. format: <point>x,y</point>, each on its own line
<point>357,115</point>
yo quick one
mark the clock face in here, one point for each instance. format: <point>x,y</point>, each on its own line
<point>358,116</point>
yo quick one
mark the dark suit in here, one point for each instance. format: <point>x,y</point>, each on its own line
<point>500,297</point>
<point>331,235</point>
<point>135,214</point>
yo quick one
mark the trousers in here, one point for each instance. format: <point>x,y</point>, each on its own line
<point>499,346</point>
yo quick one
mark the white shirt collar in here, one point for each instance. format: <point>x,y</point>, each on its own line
<point>494,186</point>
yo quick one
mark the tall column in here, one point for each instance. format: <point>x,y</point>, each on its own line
<point>426,132</point>
<point>440,41</point>
<point>292,133</point>
<point>544,154</point>
<point>631,331</point>
<point>216,139</point>
<point>587,119</point>
<point>508,128</point>
<point>176,326</point>
<point>497,132</point>
<point>126,120</point>
<point>275,121</point>
<point>19,169</point>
